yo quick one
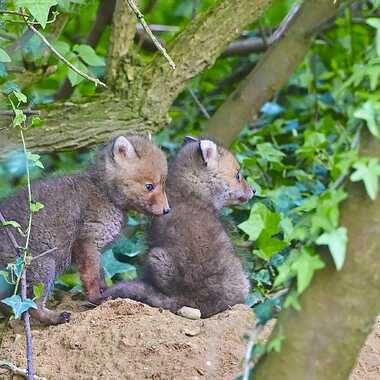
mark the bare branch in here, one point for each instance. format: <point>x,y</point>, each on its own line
<point>144,24</point>
<point>26,112</point>
<point>201,107</point>
<point>96,81</point>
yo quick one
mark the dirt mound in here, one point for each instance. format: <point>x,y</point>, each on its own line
<point>368,363</point>
<point>123,339</point>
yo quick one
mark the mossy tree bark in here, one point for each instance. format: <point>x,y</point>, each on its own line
<point>322,340</point>
<point>143,93</point>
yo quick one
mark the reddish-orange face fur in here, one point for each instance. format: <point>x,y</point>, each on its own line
<point>233,185</point>
<point>137,171</point>
<point>209,172</point>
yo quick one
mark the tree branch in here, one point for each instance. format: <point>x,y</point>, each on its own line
<point>196,48</point>
<point>123,32</point>
<point>272,72</point>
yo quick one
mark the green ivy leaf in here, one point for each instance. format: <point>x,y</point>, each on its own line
<point>38,290</point>
<point>19,118</point>
<point>375,23</point>
<point>368,171</point>
<point>253,226</point>
<point>88,55</point>
<point>260,219</point>
<point>19,306</point>
<point>20,96</point>
<point>292,301</point>
<point>269,153</point>
<point>367,112</point>
<point>305,266</point>
<point>73,76</point>
<point>268,246</point>
<point>4,57</point>
<point>39,9</point>
<point>36,206</point>
<point>337,242</point>
<point>113,266</point>
<point>35,159</point>
<point>276,343</point>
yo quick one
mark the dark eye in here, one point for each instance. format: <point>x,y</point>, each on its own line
<point>149,186</point>
<point>238,175</point>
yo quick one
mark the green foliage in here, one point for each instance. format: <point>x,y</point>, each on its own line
<point>38,290</point>
<point>368,171</point>
<point>4,57</point>
<point>39,9</point>
<point>18,305</point>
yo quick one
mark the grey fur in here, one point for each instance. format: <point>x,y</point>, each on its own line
<point>82,213</point>
<point>192,261</point>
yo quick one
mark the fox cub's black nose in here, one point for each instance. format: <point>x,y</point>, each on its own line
<point>166,210</point>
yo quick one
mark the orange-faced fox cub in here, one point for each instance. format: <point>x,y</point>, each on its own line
<point>191,260</point>
<point>83,213</point>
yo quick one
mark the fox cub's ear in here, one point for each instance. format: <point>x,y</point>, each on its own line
<point>123,149</point>
<point>209,152</point>
<point>189,139</point>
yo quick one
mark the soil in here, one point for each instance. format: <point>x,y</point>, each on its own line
<point>368,364</point>
<point>123,339</point>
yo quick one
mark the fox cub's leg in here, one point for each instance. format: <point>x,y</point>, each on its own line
<point>141,291</point>
<point>45,273</point>
<point>87,257</point>
<point>160,270</point>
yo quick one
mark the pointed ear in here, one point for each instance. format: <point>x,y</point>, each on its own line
<point>209,152</point>
<point>189,139</point>
<point>123,149</point>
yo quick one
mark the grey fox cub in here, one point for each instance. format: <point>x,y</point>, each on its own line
<point>83,213</point>
<point>191,261</point>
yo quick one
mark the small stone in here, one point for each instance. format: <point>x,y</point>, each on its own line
<point>192,332</point>
<point>189,313</point>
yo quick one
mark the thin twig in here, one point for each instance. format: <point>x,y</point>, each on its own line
<point>18,371</point>
<point>44,253</point>
<point>15,13</point>
<point>96,81</point>
<point>251,342</point>
<point>25,112</point>
<point>144,24</point>
<point>10,234</point>
<point>201,107</point>
<point>26,316</point>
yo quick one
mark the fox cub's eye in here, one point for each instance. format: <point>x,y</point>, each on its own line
<point>238,175</point>
<point>149,186</point>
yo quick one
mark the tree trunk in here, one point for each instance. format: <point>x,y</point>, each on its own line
<point>323,340</point>
<point>271,73</point>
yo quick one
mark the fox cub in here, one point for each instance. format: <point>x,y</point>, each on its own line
<point>83,213</point>
<point>191,261</point>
